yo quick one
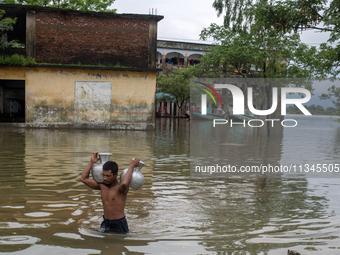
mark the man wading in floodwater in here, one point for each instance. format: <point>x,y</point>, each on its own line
<point>113,193</point>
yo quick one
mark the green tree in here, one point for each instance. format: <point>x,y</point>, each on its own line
<point>316,109</point>
<point>313,109</point>
<point>288,17</point>
<point>251,54</point>
<point>333,95</point>
<point>177,83</point>
<point>330,111</point>
<point>332,20</point>
<point>292,109</point>
<point>80,5</point>
<point>283,15</point>
<point>235,54</point>
<point>6,24</point>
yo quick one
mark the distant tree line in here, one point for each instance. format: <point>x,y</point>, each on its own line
<point>314,110</point>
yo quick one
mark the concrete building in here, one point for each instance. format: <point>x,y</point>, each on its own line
<point>63,93</point>
<point>172,55</point>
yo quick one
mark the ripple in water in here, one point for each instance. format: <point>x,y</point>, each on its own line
<point>10,240</point>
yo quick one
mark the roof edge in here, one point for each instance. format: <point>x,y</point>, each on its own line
<point>137,69</point>
<point>50,9</point>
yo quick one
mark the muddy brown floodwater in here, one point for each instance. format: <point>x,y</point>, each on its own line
<point>45,209</point>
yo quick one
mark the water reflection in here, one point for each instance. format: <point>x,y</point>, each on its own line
<point>258,215</point>
<point>233,146</point>
<point>46,209</point>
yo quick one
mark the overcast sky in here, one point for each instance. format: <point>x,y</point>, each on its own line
<point>184,19</point>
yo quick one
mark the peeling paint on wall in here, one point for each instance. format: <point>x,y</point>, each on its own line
<point>92,102</point>
<point>128,112</point>
<point>66,97</point>
<point>95,92</point>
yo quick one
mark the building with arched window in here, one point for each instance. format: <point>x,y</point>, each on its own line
<point>172,54</point>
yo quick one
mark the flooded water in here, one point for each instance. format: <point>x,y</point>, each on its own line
<point>45,209</point>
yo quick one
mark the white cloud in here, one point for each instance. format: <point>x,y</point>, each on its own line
<point>185,19</point>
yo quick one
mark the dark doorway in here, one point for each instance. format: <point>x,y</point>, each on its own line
<point>11,90</point>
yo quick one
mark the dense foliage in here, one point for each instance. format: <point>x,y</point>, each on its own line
<point>266,54</point>
<point>80,5</point>
<point>177,83</point>
<point>276,23</point>
<point>6,25</point>
<point>16,60</point>
<point>334,95</point>
<point>314,110</point>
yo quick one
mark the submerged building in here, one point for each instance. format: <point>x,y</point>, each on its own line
<point>176,55</point>
<point>96,70</point>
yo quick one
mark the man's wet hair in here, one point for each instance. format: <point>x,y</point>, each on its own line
<point>110,165</point>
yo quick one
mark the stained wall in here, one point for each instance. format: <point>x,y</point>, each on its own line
<point>86,98</point>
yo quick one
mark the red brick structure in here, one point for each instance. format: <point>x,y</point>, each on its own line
<point>69,37</point>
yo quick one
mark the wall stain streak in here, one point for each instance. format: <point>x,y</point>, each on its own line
<point>52,98</point>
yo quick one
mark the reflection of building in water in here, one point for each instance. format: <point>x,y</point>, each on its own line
<point>41,195</point>
<point>236,146</point>
<point>12,172</point>
<point>54,161</point>
<point>250,215</point>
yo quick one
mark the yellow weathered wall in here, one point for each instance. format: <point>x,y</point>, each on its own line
<point>12,73</point>
<point>50,97</point>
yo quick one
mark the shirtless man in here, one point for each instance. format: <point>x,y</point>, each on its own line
<point>113,193</point>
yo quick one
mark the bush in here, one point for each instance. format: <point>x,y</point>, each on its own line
<point>16,60</point>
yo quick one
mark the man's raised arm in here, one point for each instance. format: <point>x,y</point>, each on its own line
<point>124,186</point>
<point>86,173</point>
